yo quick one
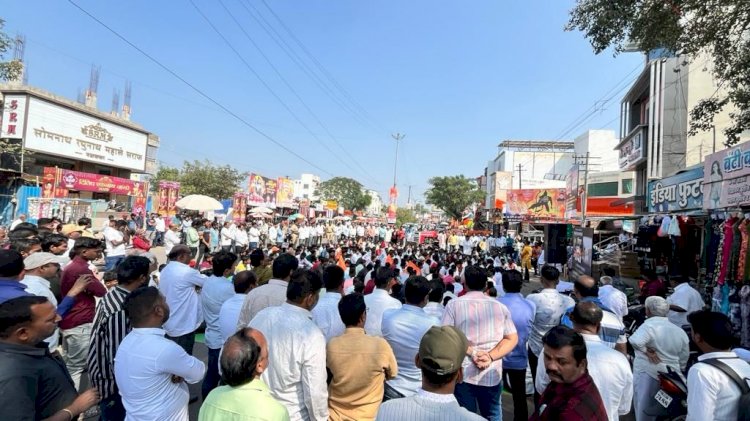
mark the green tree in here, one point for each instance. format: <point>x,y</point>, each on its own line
<point>202,177</point>
<point>717,28</point>
<point>219,182</point>
<point>164,173</point>
<point>405,216</point>
<point>11,69</point>
<point>348,192</point>
<point>453,194</point>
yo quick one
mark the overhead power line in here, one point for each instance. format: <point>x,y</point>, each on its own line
<point>291,88</point>
<point>322,69</point>
<point>198,90</point>
<point>325,81</point>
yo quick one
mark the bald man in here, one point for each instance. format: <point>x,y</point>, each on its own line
<point>612,330</point>
<point>658,343</point>
<point>609,369</point>
<point>244,395</point>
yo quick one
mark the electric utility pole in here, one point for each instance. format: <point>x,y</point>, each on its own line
<point>584,202</point>
<point>520,170</point>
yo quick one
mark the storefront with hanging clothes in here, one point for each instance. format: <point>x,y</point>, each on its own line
<point>727,198</point>
<point>669,238</point>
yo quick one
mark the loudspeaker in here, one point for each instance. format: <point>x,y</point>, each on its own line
<point>556,243</point>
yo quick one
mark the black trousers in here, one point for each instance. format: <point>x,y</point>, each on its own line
<point>517,381</point>
<point>533,363</point>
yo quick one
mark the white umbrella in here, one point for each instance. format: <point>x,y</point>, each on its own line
<point>261,209</point>
<point>198,202</point>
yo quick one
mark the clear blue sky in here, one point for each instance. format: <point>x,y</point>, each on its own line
<point>455,77</point>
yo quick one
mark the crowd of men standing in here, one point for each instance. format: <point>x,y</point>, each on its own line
<point>342,328</point>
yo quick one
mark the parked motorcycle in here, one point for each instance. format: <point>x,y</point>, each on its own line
<point>672,394</point>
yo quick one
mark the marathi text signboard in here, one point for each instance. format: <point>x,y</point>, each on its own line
<point>13,118</point>
<point>56,183</point>
<point>676,193</point>
<point>169,191</point>
<point>262,191</point>
<point>62,131</point>
<point>725,178</point>
<point>539,203</point>
<point>633,150</point>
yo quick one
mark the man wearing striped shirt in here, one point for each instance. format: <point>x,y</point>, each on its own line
<point>491,333</point>
<point>110,327</point>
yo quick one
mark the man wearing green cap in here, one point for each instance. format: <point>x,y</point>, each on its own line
<point>440,357</point>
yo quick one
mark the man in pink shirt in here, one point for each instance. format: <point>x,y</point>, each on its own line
<point>489,328</point>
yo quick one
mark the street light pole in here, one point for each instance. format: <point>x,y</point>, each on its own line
<point>397,137</point>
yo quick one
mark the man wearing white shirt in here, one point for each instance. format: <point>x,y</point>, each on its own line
<point>115,243</point>
<point>434,305</point>
<point>216,290</point>
<point>550,306</point>
<point>272,232</point>
<point>657,343</point>
<point>160,227</point>
<point>253,236</point>
<point>403,329</point>
<point>296,374</point>
<point>152,372</point>
<point>683,301</point>
<point>39,269</point>
<point>613,298</point>
<point>21,219</point>
<point>178,283</point>
<point>227,236</point>
<point>713,394</point>
<point>240,239</point>
<point>271,294</point>
<point>380,300</point>
<point>326,314</point>
<point>243,282</point>
<point>609,369</point>
<point>171,238</point>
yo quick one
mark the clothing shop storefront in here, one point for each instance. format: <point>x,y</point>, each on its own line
<point>726,257</point>
<point>669,239</point>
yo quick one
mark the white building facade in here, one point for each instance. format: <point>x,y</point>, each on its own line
<point>305,187</point>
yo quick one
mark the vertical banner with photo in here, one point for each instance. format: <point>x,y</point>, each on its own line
<point>239,207</point>
<point>169,192</point>
<point>140,196</point>
<point>284,193</point>
<point>583,252</point>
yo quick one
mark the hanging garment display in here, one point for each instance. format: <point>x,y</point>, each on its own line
<point>726,250</point>
<point>745,314</point>
<point>742,258</point>
<point>735,253</point>
<point>674,227</point>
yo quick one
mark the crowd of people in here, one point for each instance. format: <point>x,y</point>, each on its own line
<point>340,321</point>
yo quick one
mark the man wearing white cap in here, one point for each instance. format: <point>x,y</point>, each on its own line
<point>40,268</point>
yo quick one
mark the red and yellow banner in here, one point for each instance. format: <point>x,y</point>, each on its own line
<point>262,191</point>
<point>541,203</point>
<point>284,192</point>
<point>169,191</point>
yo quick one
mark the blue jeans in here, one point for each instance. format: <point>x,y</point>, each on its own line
<point>111,409</point>
<point>111,262</point>
<point>482,400</point>
<point>211,380</point>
